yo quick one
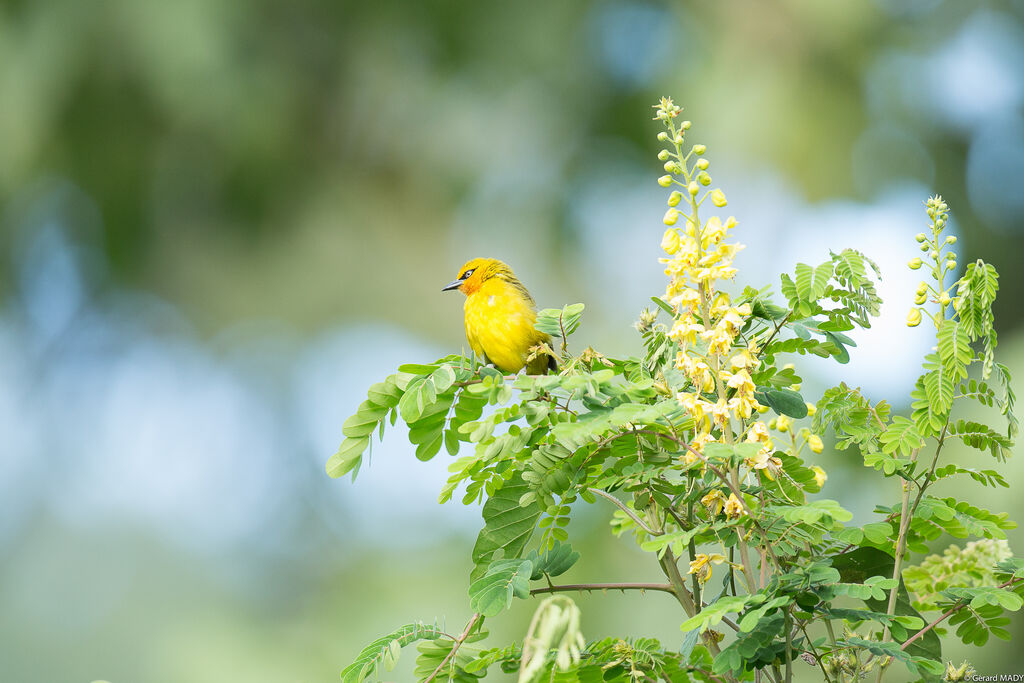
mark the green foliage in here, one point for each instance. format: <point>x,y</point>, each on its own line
<point>383,653</point>
<point>672,441</point>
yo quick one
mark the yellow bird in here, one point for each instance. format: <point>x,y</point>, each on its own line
<point>500,314</point>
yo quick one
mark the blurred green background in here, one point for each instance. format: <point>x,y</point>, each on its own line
<point>221,220</point>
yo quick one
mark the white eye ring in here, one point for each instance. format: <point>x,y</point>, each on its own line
<point>467,273</point>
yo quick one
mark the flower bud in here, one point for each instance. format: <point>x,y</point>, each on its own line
<point>811,409</point>
<point>670,217</point>
<point>703,164</point>
<point>672,167</point>
<point>944,299</point>
<point>951,265</point>
<point>773,423</point>
<point>663,155</point>
<point>685,125</point>
<point>922,287</point>
<point>940,223</point>
<point>718,198</point>
<point>819,474</point>
<point>815,444</point>
<point>699,149</point>
<point>914,263</point>
<point>662,136</point>
<point>950,256</point>
<point>920,237</point>
<point>782,423</point>
<point>703,178</point>
<point>665,180</point>
<point>914,317</point>
<point>762,409</point>
<point>920,298</point>
<point>925,247</point>
<point>693,188</point>
<point>670,240</point>
<point>678,139</point>
<point>673,199</point>
<point>933,254</point>
<point>951,239</point>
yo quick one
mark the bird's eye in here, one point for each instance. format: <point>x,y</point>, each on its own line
<point>466,275</point>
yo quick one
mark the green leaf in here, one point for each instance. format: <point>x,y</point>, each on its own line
<point>901,436</point>
<point>385,650</point>
<point>348,457</point>
<point>503,580</point>
<point>508,526</point>
<point>663,305</point>
<point>784,402</point>
<point>553,321</point>
<point>554,562</point>
<point>954,349</point>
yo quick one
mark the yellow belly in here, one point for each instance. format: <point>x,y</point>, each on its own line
<point>499,326</point>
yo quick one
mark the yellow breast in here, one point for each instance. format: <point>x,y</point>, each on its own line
<point>499,325</point>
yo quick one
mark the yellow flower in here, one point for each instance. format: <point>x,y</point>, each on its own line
<point>670,241</point>
<point>718,338</point>
<point>684,331</point>
<point>714,501</point>
<point>695,405</point>
<point>811,409</point>
<point>718,198</point>
<point>701,565</point>
<point>783,422</point>
<point>819,475</point>
<point>742,382</point>
<point>720,412</point>
<point>815,444</point>
<point>744,405</point>
<point>733,506</point>
<point>671,216</point>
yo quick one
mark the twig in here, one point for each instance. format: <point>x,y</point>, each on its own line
<point>572,587</point>
<point>455,648</point>
<point>948,613</point>
<point>630,513</point>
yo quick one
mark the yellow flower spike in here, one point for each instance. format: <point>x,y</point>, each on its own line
<point>670,241</point>
<point>665,180</point>
<point>914,317</point>
<point>783,422</point>
<point>815,444</point>
<point>673,199</point>
<point>819,475</point>
<point>718,198</point>
<point>671,216</point>
<point>733,507</point>
<point>811,409</point>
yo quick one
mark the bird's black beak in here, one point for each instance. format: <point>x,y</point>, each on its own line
<point>452,285</point>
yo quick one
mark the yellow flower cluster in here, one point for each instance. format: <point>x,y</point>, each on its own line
<point>699,256</point>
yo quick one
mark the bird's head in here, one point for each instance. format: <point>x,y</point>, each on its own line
<point>474,273</point>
